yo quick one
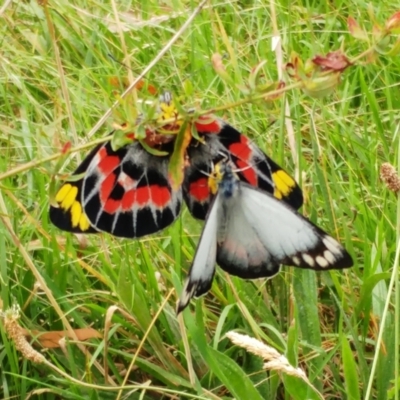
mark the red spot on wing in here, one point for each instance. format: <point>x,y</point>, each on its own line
<point>208,124</point>
<point>199,189</point>
<point>241,149</point>
<point>248,172</point>
<point>127,200</point>
<point>142,195</point>
<point>106,188</point>
<point>111,206</point>
<point>160,195</point>
<point>107,163</point>
<point>145,196</point>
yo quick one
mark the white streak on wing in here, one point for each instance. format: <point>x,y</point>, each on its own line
<point>92,171</point>
<point>282,231</point>
<point>322,262</point>
<point>332,245</point>
<point>203,266</point>
<point>329,257</point>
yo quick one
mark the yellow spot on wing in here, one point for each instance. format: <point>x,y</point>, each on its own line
<point>76,213</point>
<point>64,189</point>
<point>84,223</point>
<point>69,198</point>
<point>284,184</point>
<point>78,217</point>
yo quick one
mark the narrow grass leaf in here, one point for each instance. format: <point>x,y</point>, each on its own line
<point>299,389</point>
<point>350,371</point>
<point>231,375</point>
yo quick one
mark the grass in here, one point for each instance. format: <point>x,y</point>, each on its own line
<point>341,328</point>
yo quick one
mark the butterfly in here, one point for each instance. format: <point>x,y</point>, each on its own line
<point>127,192</point>
<point>249,233</point>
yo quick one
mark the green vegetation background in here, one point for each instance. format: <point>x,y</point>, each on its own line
<point>328,324</point>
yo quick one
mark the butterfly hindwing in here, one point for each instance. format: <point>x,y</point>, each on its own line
<point>127,192</point>
<point>202,157</point>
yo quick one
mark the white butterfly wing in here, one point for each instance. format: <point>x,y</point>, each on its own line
<point>290,238</point>
<point>202,270</point>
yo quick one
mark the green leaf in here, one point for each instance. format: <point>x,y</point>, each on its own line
<point>300,389</point>
<point>292,344</point>
<point>120,139</point>
<point>152,150</point>
<point>222,366</point>
<point>305,291</point>
<point>350,371</point>
<point>254,75</point>
<point>231,375</point>
<point>395,49</point>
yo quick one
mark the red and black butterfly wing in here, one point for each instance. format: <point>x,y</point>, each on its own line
<point>253,167</point>
<point>257,169</point>
<point>127,193</point>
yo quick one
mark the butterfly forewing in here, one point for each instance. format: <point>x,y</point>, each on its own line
<point>127,193</point>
